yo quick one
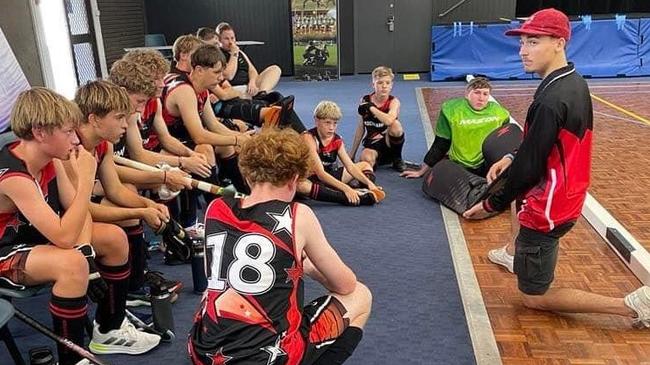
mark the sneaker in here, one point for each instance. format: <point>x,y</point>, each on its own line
<point>499,256</point>
<point>639,301</point>
<point>124,340</point>
<point>138,298</point>
<point>277,115</point>
<point>156,278</point>
<point>378,195</point>
<point>371,197</point>
<point>399,165</point>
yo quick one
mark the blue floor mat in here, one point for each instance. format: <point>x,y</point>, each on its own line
<point>398,248</point>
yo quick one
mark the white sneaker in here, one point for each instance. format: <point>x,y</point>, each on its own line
<point>499,256</point>
<point>639,301</point>
<point>124,340</point>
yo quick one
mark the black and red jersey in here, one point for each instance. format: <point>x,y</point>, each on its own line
<point>14,226</point>
<point>100,151</point>
<point>374,126</point>
<point>145,126</point>
<point>253,308</point>
<point>175,123</point>
<point>329,153</point>
<point>551,171</point>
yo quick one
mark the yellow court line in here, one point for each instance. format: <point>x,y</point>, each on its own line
<point>620,109</point>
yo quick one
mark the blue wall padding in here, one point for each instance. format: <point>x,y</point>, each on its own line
<point>603,50</point>
<point>644,48</point>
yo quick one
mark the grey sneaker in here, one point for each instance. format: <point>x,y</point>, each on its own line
<point>499,256</point>
<point>639,301</point>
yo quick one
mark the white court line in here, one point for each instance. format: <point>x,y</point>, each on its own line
<point>498,92</point>
<point>484,343</point>
<point>621,118</point>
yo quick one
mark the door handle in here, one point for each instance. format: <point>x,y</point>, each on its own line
<point>390,21</point>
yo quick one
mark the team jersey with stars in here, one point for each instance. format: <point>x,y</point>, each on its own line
<point>329,153</point>
<point>175,123</point>
<point>14,227</point>
<point>374,126</point>
<point>252,312</point>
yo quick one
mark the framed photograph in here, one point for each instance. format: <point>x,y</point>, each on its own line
<point>315,39</point>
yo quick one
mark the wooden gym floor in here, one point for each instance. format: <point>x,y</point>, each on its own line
<point>620,181</point>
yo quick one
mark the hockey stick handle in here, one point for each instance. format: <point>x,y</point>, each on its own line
<point>196,184</point>
<point>63,341</point>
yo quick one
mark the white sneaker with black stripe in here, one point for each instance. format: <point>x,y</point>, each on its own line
<point>124,340</point>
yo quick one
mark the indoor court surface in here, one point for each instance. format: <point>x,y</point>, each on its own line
<point>401,250</point>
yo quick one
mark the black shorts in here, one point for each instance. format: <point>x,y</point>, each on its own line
<point>12,265</point>
<point>536,257</point>
<point>384,153</point>
<point>322,323</point>
<point>336,172</point>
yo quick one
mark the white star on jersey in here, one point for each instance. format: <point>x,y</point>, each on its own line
<point>283,221</point>
<point>274,351</point>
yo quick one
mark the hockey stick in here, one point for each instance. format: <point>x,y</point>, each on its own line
<point>167,336</point>
<point>62,340</point>
<point>196,184</point>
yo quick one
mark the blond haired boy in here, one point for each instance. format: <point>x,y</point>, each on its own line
<point>379,126</point>
<point>328,180</point>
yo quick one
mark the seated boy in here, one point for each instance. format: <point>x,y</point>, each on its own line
<point>259,248</point>
<point>462,127</point>
<point>47,230</point>
<point>331,182</point>
<point>379,125</point>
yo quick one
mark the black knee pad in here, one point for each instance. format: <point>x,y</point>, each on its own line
<point>453,186</point>
<point>500,142</point>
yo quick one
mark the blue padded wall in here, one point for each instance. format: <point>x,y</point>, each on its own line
<point>601,48</point>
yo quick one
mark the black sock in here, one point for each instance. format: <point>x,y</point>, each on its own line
<point>188,206</point>
<point>228,169</point>
<point>342,348</point>
<point>396,145</point>
<point>212,179</point>
<point>293,121</point>
<point>68,320</point>
<point>137,256</point>
<point>326,194</point>
<point>370,175</point>
<point>243,109</point>
<point>111,309</point>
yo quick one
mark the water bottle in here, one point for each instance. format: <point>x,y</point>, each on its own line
<point>199,280</point>
<point>161,307</point>
<point>41,356</point>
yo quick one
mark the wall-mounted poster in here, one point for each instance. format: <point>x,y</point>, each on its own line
<point>315,39</point>
<point>12,82</point>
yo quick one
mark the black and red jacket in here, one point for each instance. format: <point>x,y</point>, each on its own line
<point>551,171</point>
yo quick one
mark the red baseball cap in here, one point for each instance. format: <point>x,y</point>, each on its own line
<point>551,22</point>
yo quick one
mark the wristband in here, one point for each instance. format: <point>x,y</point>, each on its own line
<point>510,156</point>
